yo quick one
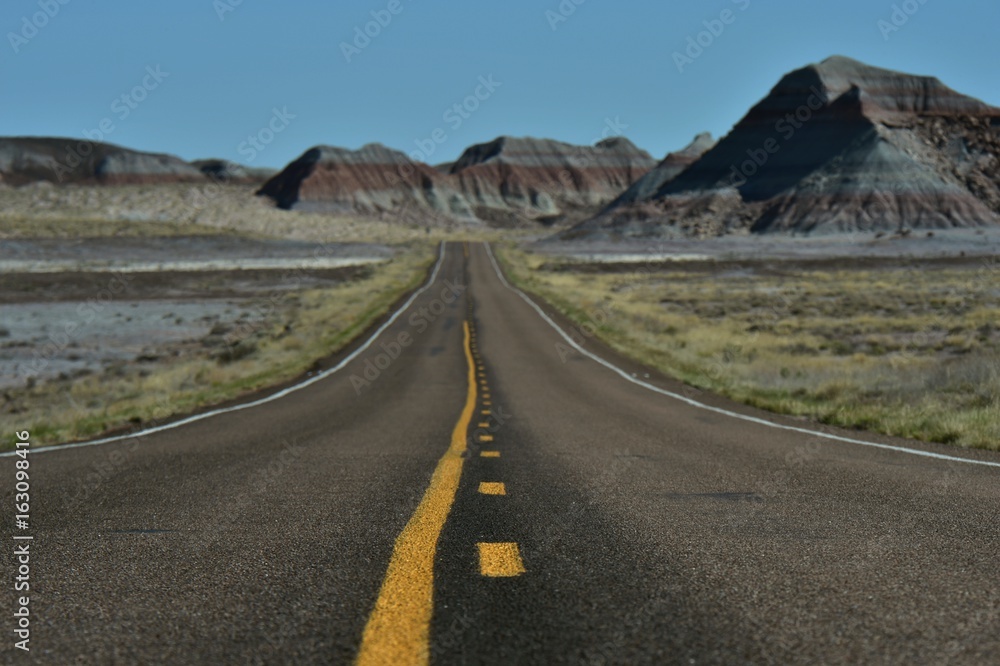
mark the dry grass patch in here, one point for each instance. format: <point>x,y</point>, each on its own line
<point>912,351</point>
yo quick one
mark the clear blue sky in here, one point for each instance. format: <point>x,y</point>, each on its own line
<point>608,60</point>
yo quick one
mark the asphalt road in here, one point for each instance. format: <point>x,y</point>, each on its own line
<point>349,520</point>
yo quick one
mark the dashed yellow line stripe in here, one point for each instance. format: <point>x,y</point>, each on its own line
<point>500,560</point>
<point>492,488</point>
<point>489,454</point>
<point>398,630</point>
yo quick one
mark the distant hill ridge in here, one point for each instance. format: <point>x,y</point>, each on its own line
<point>65,161</point>
<point>505,180</point>
<point>508,180</point>
<point>837,146</point>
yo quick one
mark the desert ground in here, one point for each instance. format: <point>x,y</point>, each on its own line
<point>899,336</point>
<point>122,307</point>
<point>133,304</point>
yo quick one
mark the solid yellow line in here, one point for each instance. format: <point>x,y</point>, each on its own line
<point>500,560</point>
<point>489,454</point>
<point>398,630</point>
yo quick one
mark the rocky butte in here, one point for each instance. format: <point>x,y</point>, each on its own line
<point>505,181</point>
<point>838,146</point>
<point>372,179</point>
<point>546,180</point>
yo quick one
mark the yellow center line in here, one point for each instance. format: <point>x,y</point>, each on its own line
<point>398,630</point>
<point>500,560</point>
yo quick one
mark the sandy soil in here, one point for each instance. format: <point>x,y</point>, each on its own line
<point>49,340</point>
<point>958,243</point>
<point>65,325</point>
<point>179,253</point>
<point>73,307</point>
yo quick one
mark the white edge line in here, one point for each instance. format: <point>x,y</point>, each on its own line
<point>719,410</point>
<point>256,403</point>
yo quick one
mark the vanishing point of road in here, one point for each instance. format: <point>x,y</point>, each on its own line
<point>480,483</point>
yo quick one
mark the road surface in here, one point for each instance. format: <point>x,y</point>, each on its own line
<point>470,488</point>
